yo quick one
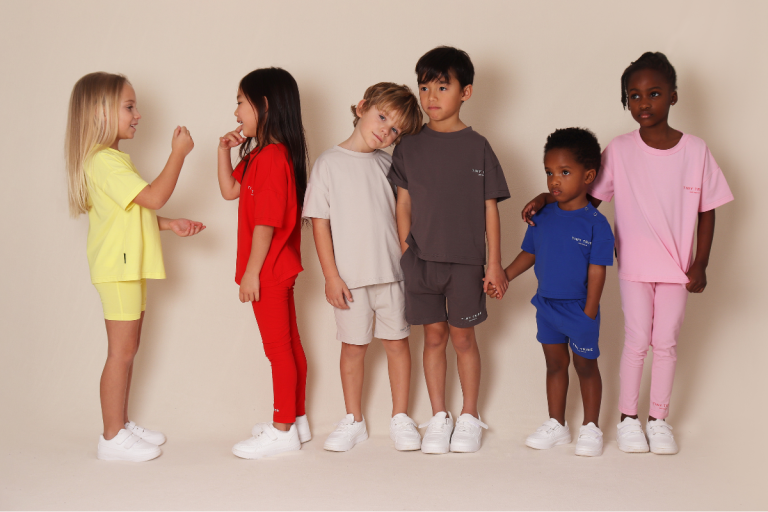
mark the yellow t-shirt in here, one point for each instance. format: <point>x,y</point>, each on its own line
<point>123,237</point>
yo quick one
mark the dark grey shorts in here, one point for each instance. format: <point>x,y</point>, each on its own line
<point>429,285</point>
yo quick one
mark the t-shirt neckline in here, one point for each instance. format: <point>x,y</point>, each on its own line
<point>445,135</point>
<point>659,152</point>
<point>570,213</point>
<point>358,154</point>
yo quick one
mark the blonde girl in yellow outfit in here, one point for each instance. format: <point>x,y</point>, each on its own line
<point>123,238</point>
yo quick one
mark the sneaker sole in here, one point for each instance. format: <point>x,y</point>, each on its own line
<point>304,438</point>
<point>584,452</point>
<point>558,442</point>
<point>252,456</point>
<point>359,439</point>
<point>664,451</point>
<point>403,447</point>
<point>633,449</point>
<point>106,454</point>
<point>434,451</point>
<point>464,449</point>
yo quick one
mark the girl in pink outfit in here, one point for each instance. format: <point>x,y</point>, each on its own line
<point>664,181</point>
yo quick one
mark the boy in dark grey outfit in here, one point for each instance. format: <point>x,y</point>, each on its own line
<point>449,181</point>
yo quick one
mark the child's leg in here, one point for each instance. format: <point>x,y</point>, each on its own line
<point>122,338</point>
<point>352,372</point>
<point>468,362</point>
<point>435,343</point>
<point>558,359</point>
<point>669,307</point>
<point>299,357</point>
<point>399,365</point>
<point>591,385</point>
<point>130,371</point>
<point>637,300</point>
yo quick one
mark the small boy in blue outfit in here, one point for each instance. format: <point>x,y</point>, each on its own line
<point>569,247</point>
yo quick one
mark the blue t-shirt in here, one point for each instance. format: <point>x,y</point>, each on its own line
<point>565,243</point>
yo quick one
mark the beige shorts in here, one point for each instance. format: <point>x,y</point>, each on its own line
<point>385,302</point>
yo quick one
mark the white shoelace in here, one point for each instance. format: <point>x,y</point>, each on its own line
<point>590,433</point>
<point>465,426</point>
<point>345,428</point>
<point>661,429</point>
<point>435,426</point>
<point>403,425</point>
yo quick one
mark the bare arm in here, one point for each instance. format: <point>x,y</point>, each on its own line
<point>230,188</point>
<point>155,195</point>
<point>494,274</point>
<point>595,283</point>
<point>335,288</point>
<point>705,233</point>
<point>403,216</point>
<point>523,262</point>
<point>249,284</point>
<point>182,227</point>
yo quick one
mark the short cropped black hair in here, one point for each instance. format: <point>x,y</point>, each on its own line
<point>579,141</point>
<point>438,62</point>
<point>649,60</point>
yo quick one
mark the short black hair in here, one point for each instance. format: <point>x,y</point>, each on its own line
<point>649,60</point>
<point>438,62</point>
<point>579,141</point>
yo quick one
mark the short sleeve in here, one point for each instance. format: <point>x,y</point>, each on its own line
<point>528,242</point>
<point>270,194</point>
<point>118,181</point>
<point>397,173</point>
<point>316,199</point>
<point>602,187</point>
<point>602,244</point>
<point>714,189</point>
<point>239,171</point>
<point>495,183</point>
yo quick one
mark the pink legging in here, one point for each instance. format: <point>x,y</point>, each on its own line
<point>653,314</point>
<point>276,316</point>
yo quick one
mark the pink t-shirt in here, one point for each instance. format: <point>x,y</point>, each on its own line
<point>659,194</point>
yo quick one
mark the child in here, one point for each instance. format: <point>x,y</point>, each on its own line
<point>270,181</point>
<point>352,208</point>
<point>449,181</point>
<point>123,239</point>
<point>570,246</point>
<point>663,180</point>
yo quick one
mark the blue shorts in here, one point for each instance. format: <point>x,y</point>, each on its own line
<point>564,321</point>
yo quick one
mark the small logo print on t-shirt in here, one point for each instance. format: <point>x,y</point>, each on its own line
<point>581,241</point>
<point>692,190</point>
<point>250,189</point>
<point>478,172</point>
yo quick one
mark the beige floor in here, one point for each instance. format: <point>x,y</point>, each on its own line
<point>61,472</point>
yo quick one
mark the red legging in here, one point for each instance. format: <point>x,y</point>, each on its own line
<point>276,316</point>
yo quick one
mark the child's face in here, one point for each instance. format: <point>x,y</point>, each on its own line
<point>442,99</point>
<point>377,128</point>
<point>128,116</point>
<point>649,97</point>
<point>567,179</point>
<point>246,115</point>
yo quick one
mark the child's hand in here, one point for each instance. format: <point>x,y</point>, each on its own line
<point>185,227</point>
<point>249,287</point>
<point>697,278</point>
<point>491,291</point>
<point>336,291</point>
<point>495,276</point>
<point>182,142</point>
<point>531,208</point>
<point>232,139</point>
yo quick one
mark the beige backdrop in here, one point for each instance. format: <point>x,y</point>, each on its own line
<point>201,375</point>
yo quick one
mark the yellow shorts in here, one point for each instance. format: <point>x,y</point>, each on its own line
<point>123,300</point>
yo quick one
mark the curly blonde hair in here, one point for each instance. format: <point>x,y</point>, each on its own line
<point>397,101</point>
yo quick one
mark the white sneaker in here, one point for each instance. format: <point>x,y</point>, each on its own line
<point>550,433</point>
<point>590,441</point>
<point>402,430</point>
<point>269,441</point>
<point>437,438</point>
<point>151,436</point>
<point>127,446</point>
<point>660,437</point>
<point>630,436</point>
<point>467,435</point>
<point>302,425</point>
<point>347,434</point>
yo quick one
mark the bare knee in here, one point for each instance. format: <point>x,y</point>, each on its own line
<point>351,352</point>
<point>435,336</point>
<point>463,341</point>
<point>585,368</point>
<point>557,358</point>
<point>396,347</point>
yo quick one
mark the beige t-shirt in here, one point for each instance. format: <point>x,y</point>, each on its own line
<point>351,189</point>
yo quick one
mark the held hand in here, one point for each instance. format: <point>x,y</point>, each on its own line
<point>495,276</point>
<point>336,291</point>
<point>697,278</point>
<point>186,227</point>
<point>531,208</point>
<point>249,287</point>
<point>491,291</point>
<point>182,142</point>
<point>232,139</point>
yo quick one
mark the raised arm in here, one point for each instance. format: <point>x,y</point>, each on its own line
<point>155,195</point>
<point>229,186</point>
<point>403,216</point>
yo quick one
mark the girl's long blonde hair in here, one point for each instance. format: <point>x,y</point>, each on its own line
<point>91,127</point>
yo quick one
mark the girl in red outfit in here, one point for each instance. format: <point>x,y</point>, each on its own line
<point>270,181</point>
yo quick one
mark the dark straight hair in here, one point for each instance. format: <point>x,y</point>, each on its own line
<point>279,119</point>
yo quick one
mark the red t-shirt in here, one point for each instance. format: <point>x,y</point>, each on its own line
<point>268,198</point>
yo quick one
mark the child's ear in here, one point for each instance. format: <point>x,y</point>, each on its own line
<point>590,176</point>
<point>466,93</point>
<point>673,97</point>
<point>359,109</point>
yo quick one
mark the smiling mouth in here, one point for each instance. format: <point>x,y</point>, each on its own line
<point>556,192</point>
<point>377,137</point>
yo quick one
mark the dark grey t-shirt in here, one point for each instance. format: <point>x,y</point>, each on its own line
<point>449,176</point>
